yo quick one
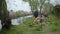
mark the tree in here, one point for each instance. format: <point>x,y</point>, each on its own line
<point>48,7</point>
<point>57,10</point>
<point>33,3</point>
<point>41,4</point>
<point>5,20</point>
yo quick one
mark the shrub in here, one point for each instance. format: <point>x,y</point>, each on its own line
<point>57,10</point>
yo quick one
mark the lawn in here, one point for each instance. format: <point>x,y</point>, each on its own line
<point>52,26</point>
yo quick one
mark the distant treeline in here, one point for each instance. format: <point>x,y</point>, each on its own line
<point>19,14</point>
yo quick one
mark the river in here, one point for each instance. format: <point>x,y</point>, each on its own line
<point>17,21</point>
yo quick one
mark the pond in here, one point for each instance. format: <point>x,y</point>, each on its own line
<point>17,21</point>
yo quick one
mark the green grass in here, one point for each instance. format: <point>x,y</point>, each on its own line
<point>27,27</point>
<point>54,24</point>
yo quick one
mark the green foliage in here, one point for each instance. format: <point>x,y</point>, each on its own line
<point>33,3</point>
<point>27,28</point>
<point>3,9</point>
<point>30,25</point>
<point>54,29</point>
<point>17,14</point>
<point>57,10</point>
<point>54,24</point>
<point>38,29</point>
<point>21,13</point>
<point>48,6</point>
<point>41,4</point>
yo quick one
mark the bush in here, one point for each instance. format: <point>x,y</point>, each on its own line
<point>57,10</point>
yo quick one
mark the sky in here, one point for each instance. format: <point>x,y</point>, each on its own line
<point>16,5</point>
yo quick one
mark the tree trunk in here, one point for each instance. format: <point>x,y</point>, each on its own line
<point>42,2</point>
<point>5,20</point>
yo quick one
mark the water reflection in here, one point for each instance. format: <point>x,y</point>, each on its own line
<point>0,25</point>
<point>17,21</point>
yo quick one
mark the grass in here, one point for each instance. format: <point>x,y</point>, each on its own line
<point>53,26</point>
<point>27,27</point>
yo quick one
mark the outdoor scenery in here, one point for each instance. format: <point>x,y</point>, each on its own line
<point>29,16</point>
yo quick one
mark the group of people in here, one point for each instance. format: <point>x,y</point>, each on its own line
<point>43,17</point>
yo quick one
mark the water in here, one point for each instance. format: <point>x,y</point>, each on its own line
<point>17,21</point>
<point>0,25</point>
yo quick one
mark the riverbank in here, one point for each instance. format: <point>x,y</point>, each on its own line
<point>17,21</point>
<point>52,26</point>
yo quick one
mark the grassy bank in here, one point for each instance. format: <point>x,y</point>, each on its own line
<point>52,26</point>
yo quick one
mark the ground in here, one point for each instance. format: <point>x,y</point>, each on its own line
<point>51,26</point>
